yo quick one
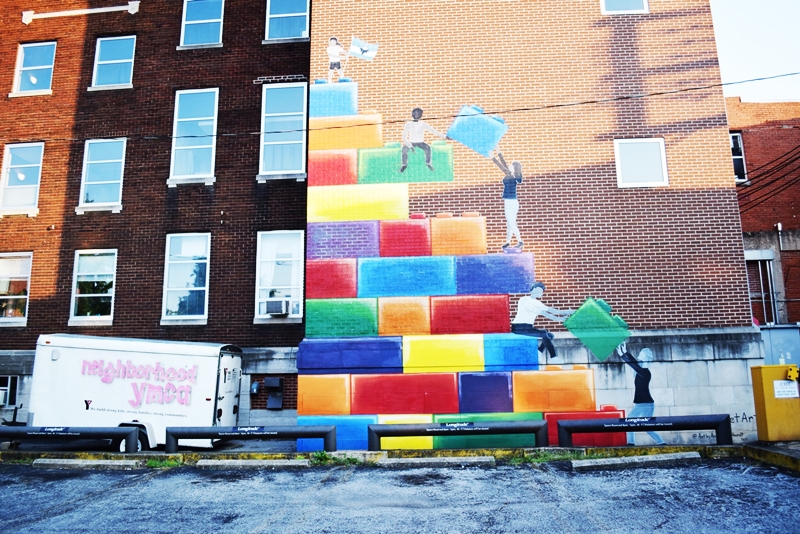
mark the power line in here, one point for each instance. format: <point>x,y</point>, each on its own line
<point>761,178</point>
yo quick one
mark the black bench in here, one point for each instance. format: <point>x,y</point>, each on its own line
<point>129,434</point>
<point>376,432</point>
<point>720,423</point>
<point>174,433</point>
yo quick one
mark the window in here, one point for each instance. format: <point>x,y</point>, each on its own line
<point>15,278</point>
<point>762,282</point>
<point>202,23</point>
<point>34,69</point>
<point>93,287</point>
<point>621,7</point>
<point>101,183</point>
<point>8,390</point>
<point>194,137</point>
<point>287,19</point>
<point>641,162</point>
<point>22,170</point>
<point>279,282</point>
<point>186,279</point>
<point>113,63</point>
<point>283,131</point>
<point>737,151</point>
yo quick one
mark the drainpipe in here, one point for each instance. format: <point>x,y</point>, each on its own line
<point>779,226</point>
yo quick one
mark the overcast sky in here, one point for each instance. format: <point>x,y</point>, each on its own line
<point>755,39</point>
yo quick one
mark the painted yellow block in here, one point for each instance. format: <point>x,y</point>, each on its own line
<point>351,131</point>
<point>411,442</point>
<point>368,202</point>
<point>443,354</point>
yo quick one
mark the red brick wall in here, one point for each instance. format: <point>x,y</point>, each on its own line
<point>151,210</point>
<point>259,402</point>
<point>769,131</point>
<point>666,257</point>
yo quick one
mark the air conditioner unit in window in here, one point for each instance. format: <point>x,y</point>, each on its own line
<point>278,307</point>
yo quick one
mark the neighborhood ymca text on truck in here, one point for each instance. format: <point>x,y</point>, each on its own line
<point>106,381</point>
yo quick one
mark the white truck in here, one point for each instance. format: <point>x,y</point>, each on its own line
<point>88,381</point>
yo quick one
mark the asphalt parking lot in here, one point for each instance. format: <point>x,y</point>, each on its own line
<point>705,496</point>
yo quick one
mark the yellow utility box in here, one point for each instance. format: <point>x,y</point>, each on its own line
<point>777,400</point>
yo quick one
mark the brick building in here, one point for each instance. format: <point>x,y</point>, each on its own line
<point>766,142</point>
<point>138,197</point>
<point>627,201</point>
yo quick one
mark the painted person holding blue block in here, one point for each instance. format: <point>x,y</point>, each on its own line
<point>414,138</point>
<point>529,309</point>
<point>510,202</point>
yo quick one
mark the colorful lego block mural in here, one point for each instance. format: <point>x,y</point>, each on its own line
<point>600,331</point>
<point>485,392</point>
<point>567,390</point>
<point>332,167</point>
<point>411,442</point>
<point>359,239</point>
<point>360,355</point>
<point>332,99</point>
<point>442,354</point>
<point>510,352</point>
<point>323,394</point>
<point>494,274</point>
<point>404,394</point>
<point>403,316</point>
<point>336,133</point>
<point>357,202</point>
<point>351,431</point>
<point>382,165</point>
<point>458,236</point>
<point>478,131</point>
<point>341,317</point>
<point>507,441</point>
<point>467,314</point>
<point>406,277</point>
<point>405,238</point>
<point>331,279</point>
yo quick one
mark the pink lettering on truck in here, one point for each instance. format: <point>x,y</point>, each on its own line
<point>146,392</point>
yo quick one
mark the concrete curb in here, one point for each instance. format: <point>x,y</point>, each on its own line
<point>252,464</point>
<point>58,463</point>
<point>412,463</point>
<point>772,456</point>
<point>633,461</point>
<point>361,456</point>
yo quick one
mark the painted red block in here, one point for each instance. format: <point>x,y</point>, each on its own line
<point>599,439</point>
<point>332,167</point>
<point>406,238</point>
<point>331,279</point>
<point>404,394</point>
<point>470,314</point>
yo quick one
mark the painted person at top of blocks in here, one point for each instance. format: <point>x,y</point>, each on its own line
<point>414,138</point>
<point>335,55</point>
<point>529,309</point>
<point>510,202</point>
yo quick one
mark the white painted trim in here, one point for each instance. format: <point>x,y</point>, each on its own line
<point>291,318</point>
<point>207,179</point>
<point>95,86</point>
<point>44,92</point>
<point>262,175</point>
<point>20,321</point>
<point>644,11</point>
<point>755,255</point>
<point>641,140</point>
<point>99,320</point>
<point>191,319</point>
<point>114,207</point>
<point>110,87</point>
<point>198,46</point>
<point>30,16</point>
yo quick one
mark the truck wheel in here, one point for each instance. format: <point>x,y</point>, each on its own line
<point>142,444</point>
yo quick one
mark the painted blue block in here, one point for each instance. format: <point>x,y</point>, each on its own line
<point>350,355</point>
<point>485,392</point>
<point>351,431</point>
<point>417,276</point>
<point>477,131</point>
<point>510,352</point>
<point>493,274</point>
<point>333,99</point>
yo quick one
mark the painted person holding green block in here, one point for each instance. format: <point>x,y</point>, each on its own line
<point>643,403</point>
<point>529,309</point>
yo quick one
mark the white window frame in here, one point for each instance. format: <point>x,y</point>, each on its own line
<point>19,321</point>
<point>221,20</point>
<point>95,320</point>
<point>5,390</point>
<point>265,318</point>
<point>18,71</point>
<point>645,10</point>
<point>207,179</point>
<point>97,62</point>
<point>30,211</point>
<point>297,174</point>
<point>662,151</point>
<point>303,37</point>
<point>744,162</point>
<point>113,207</point>
<point>185,319</point>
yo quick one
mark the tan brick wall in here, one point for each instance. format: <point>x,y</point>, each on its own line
<point>662,257</point>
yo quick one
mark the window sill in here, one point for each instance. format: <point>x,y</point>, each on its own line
<point>30,212</point>
<point>207,180</point>
<point>264,178</point>
<point>286,40</point>
<point>46,92</point>
<point>631,12</point>
<point>113,208</point>
<point>90,321</point>
<point>110,87</point>
<point>10,323</point>
<point>644,185</point>
<point>278,320</point>
<point>175,321</point>
<point>198,46</point>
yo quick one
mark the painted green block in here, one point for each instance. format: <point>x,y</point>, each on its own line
<point>597,329</point>
<point>341,317</point>
<point>506,441</point>
<point>382,165</point>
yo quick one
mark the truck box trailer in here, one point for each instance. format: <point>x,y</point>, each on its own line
<point>150,384</point>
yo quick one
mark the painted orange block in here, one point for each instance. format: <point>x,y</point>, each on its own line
<point>404,316</point>
<point>332,167</point>
<point>323,395</point>
<point>567,390</point>
<point>351,131</point>
<point>454,236</point>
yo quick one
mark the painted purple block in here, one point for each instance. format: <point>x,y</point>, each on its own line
<point>357,239</point>
<point>494,274</point>
<point>485,392</point>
